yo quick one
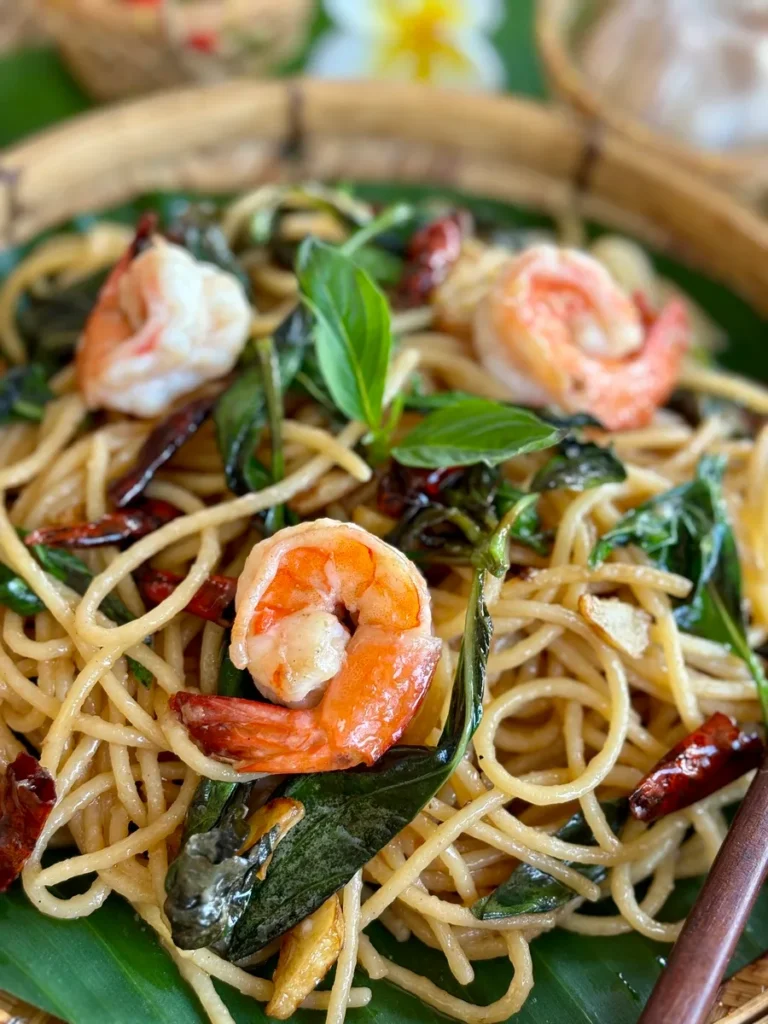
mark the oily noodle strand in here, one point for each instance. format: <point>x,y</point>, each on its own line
<point>570,719</point>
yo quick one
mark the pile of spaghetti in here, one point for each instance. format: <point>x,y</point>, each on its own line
<point>296,392</point>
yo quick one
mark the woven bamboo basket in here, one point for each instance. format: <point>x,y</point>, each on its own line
<point>559,25</point>
<point>237,135</point>
<point>116,48</point>
<point>20,24</point>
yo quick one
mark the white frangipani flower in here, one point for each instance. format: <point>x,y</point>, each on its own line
<point>442,42</point>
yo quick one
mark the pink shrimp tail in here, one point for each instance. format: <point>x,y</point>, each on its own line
<point>237,730</point>
<point>624,394</point>
<point>388,681</point>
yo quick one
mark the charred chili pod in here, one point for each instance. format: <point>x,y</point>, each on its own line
<point>112,528</point>
<point>214,601</point>
<point>161,445</point>
<point>432,251</point>
<point>706,760</point>
<point>27,797</point>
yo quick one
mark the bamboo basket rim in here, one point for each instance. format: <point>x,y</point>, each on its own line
<point>553,23</point>
<point>234,135</point>
<point>113,17</point>
<point>239,134</point>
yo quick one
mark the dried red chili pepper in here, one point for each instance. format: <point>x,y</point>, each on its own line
<point>704,761</point>
<point>161,445</point>
<point>431,253</point>
<point>405,487</point>
<point>27,796</point>
<point>213,601</point>
<point>111,528</point>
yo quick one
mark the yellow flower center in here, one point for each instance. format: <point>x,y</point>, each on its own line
<point>420,34</point>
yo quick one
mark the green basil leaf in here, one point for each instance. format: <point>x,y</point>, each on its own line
<point>578,466</point>
<point>687,531</point>
<point>24,393</point>
<point>475,430</point>
<point>353,332</point>
<point>350,815</point>
<point>417,400</point>
<point>383,267</point>
<point>529,890</point>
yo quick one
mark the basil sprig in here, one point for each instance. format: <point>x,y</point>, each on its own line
<point>352,331</point>
<point>475,430</point>
<point>687,531</point>
<point>529,890</point>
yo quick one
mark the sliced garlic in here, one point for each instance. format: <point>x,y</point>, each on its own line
<point>307,953</point>
<point>622,625</point>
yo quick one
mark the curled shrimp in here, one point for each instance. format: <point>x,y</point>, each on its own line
<point>348,688</point>
<point>164,324</point>
<point>557,329</point>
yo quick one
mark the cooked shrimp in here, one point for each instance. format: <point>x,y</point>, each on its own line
<point>163,324</point>
<point>557,329</point>
<point>348,688</point>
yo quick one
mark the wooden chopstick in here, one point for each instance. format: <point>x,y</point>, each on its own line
<point>686,990</point>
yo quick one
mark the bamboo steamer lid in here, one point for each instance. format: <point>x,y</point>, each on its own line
<point>558,25</point>
<point>117,48</point>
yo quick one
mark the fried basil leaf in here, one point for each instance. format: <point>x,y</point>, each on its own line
<point>529,890</point>
<point>209,884</point>
<point>578,466</point>
<point>52,324</point>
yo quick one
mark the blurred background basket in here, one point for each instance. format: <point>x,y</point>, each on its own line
<point>20,24</point>
<point>118,48</point>
<point>561,27</point>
